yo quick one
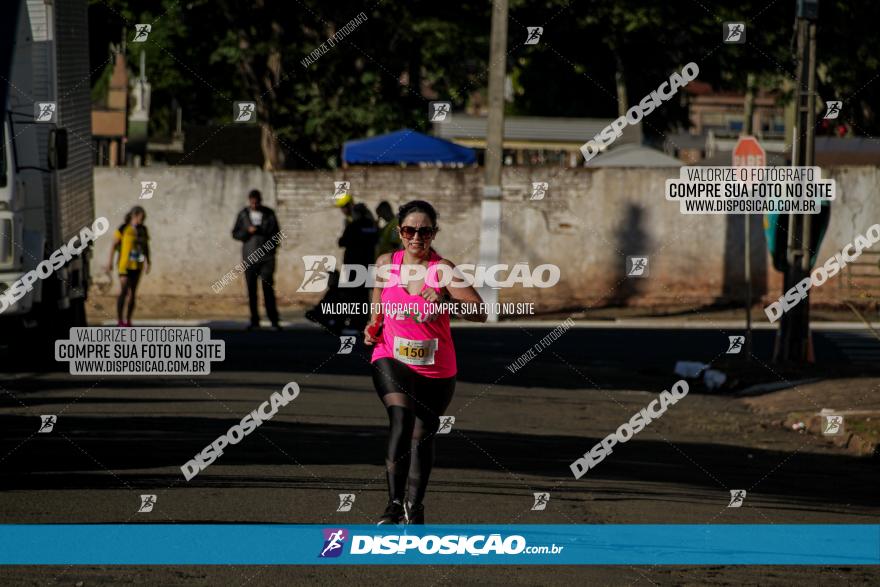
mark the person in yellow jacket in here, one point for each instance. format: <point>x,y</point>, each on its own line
<point>132,242</point>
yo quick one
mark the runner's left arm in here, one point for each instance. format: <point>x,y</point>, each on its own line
<point>272,229</point>
<point>148,263</point>
<point>460,292</point>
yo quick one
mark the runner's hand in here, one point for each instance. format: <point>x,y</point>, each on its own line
<point>430,295</point>
<point>368,338</point>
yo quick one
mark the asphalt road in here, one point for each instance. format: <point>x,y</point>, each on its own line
<point>515,434</point>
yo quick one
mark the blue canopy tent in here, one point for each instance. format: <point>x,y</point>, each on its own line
<point>405,146</point>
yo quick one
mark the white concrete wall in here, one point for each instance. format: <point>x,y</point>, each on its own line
<point>587,224</point>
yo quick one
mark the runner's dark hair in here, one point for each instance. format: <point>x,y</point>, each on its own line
<point>132,212</point>
<point>416,206</point>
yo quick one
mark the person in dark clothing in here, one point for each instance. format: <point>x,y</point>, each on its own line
<point>257,228</point>
<point>359,236</point>
<point>359,241</point>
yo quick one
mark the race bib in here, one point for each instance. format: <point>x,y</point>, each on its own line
<point>415,352</point>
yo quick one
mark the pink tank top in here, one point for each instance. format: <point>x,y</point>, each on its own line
<point>421,341</point>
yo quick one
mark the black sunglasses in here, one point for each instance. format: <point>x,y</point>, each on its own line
<point>422,231</point>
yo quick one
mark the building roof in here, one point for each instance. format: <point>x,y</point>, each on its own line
<point>634,156</point>
<point>829,151</point>
<point>530,128</point>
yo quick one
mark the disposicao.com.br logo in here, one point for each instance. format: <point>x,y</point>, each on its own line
<point>429,544</point>
<point>318,268</point>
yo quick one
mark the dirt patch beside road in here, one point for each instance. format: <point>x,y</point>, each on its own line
<point>800,409</point>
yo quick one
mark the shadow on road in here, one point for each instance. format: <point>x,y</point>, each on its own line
<point>84,456</point>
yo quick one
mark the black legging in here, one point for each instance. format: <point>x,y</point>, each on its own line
<point>128,291</point>
<point>414,404</point>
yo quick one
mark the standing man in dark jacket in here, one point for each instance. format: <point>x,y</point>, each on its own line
<point>257,228</point>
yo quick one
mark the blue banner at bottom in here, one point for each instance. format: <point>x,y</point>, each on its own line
<point>266,544</point>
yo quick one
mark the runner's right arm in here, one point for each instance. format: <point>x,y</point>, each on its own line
<point>113,247</point>
<point>240,230</point>
<point>376,299</point>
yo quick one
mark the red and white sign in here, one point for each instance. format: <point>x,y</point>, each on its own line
<point>749,153</point>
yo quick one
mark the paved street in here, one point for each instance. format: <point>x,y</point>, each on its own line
<point>515,433</point>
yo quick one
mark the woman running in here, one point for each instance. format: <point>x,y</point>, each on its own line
<point>132,241</point>
<point>414,360</point>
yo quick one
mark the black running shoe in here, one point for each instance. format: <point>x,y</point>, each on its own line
<point>394,513</point>
<point>414,513</point>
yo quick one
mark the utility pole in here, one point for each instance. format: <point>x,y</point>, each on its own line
<point>793,338</point>
<point>748,115</point>
<point>490,217</point>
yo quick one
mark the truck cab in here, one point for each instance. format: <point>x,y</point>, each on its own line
<point>46,185</point>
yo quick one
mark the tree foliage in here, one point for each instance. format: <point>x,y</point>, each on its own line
<point>204,54</point>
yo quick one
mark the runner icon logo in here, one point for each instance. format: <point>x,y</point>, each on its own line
<point>541,500</point>
<point>334,538</point>
<point>539,190</point>
<point>736,344</point>
<point>317,272</point>
<point>737,497</point>
<point>244,111</point>
<point>141,32</point>
<point>734,32</point>
<point>637,266</point>
<point>833,108</point>
<point>47,424</point>
<point>340,189</point>
<point>832,425</point>
<point>346,500</point>
<point>535,33</point>
<point>147,503</point>
<point>446,423</point>
<point>44,111</point>
<point>440,111</point>
<point>346,345</point>
<point>148,188</point>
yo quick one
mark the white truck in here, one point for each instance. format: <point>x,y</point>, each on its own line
<point>46,159</point>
